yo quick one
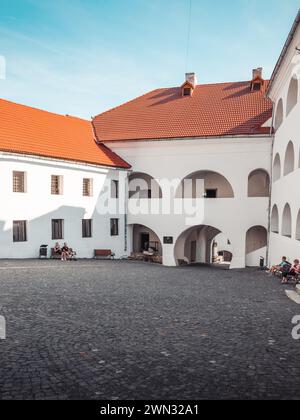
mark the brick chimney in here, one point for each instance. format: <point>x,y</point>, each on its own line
<point>191,78</point>
<point>257,73</point>
<point>189,85</point>
<point>257,83</point>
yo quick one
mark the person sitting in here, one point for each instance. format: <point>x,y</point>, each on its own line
<point>57,249</point>
<point>281,267</point>
<point>65,252</point>
<point>294,271</point>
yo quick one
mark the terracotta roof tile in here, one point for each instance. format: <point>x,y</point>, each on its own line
<point>32,131</point>
<point>213,110</point>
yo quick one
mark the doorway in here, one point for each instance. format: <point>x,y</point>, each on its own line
<point>145,240</point>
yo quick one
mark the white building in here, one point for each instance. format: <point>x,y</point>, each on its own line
<point>285,209</point>
<point>185,171</point>
<point>57,184</point>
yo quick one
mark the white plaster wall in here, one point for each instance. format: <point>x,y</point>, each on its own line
<point>234,158</point>
<point>286,189</point>
<point>38,207</point>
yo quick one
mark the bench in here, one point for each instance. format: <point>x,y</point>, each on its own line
<point>102,254</point>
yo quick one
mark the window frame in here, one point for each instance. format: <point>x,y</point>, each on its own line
<point>115,189</point>
<point>19,235</point>
<point>87,230</point>
<point>87,190</point>
<point>61,230</point>
<point>24,182</point>
<point>114,227</point>
<point>60,185</point>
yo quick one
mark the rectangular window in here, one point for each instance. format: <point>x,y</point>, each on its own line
<point>87,228</point>
<point>57,229</point>
<point>87,187</point>
<point>114,189</point>
<point>56,185</point>
<point>20,231</point>
<point>114,227</point>
<point>19,182</point>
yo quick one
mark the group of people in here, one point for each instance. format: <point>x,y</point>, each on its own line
<point>65,251</point>
<point>287,269</point>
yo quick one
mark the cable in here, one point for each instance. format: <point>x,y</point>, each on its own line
<point>189,34</point>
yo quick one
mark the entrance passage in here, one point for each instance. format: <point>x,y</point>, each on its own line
<point>203,245</point>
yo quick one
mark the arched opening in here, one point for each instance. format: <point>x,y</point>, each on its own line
<point>146,245</point>
<point>203,245</point>
<point>287,222</point>
<point>275,220</point>
<point>279,115</point>
<point>143,186</point>
<point>259,184</point>
<point>277,168</point>
<point>289,161</point>
<point>298,227</point>
<point>205,184</point>
<point>256,245</point>
<point>292,98</point>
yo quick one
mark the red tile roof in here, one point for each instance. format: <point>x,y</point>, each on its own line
<point>214,110</point>
<point>31,131</point>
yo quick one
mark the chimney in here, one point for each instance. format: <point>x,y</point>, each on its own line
<point>257,73</point>
<point>257,83</point>
<point>191,78</point>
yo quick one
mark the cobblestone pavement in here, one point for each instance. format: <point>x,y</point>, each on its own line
<point>125,330</point>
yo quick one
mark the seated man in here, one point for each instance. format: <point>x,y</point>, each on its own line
<point>294,271</point>
<point>279,267</point>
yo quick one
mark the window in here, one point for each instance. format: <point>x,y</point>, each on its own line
<point>114,227</point>
<point>257,86</point>
<point>87,228</point>
<point>57,229</point>
<point>87,187</point>
<point>114,189</point>
<point>20,231</point>
<point>19,182</point>
<point>211,193</point>
<point>187,92</point>
<point>56,185</point>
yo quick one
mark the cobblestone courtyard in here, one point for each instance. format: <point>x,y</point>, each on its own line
<point>121,330</point>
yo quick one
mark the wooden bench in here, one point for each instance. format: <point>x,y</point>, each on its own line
<point>103,254</point>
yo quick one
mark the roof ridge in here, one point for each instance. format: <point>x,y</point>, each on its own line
<point>44,110</point>
<point>127,103</point>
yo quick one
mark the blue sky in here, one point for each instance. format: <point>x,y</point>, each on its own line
<point>81,57</point>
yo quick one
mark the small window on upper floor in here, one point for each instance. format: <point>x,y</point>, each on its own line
<point>87,187</point>
<point>114,189</point>
<point>19,182</point>
<point>114,227</point>
<point>56,185</point>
